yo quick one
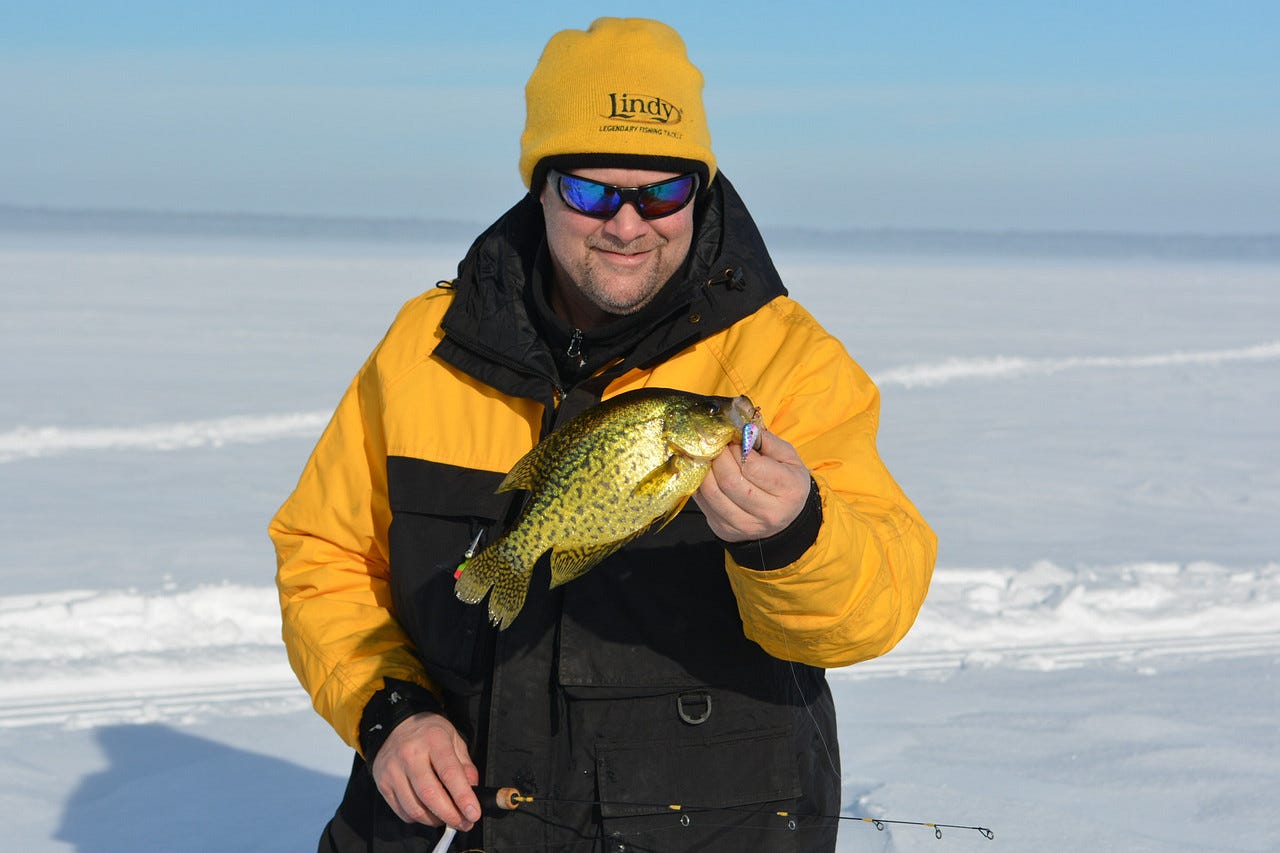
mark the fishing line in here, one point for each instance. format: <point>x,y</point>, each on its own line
<point>748,438</point>
<point>800,697</point>
<point>751,438</point>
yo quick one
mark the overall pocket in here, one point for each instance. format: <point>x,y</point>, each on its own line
<point>729,789</point>
<point>438,512</point>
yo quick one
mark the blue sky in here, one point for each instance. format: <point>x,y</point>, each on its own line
<point>1138,115</point>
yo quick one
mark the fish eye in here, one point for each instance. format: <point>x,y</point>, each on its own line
<point>713,409</point>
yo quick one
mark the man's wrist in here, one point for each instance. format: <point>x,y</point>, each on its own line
<point>396,702</point>
<point>786,546</point>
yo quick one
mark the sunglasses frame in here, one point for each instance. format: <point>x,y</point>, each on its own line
<point>624,195</point>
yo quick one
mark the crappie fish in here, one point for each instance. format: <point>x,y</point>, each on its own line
<point>599,482</point>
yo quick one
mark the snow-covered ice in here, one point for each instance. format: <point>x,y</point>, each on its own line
<point>1094,439</point>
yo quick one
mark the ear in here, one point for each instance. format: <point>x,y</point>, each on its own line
<point>547,196</point>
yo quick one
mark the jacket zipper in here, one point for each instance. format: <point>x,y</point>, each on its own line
<point>575,347</point>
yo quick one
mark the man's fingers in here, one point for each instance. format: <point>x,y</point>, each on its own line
<point>424,773</point>
<point>404,801</point>
<point>457,786</point>
<point>756,497</point>
<point>713,496</point>
<point>446,791</point>
<point>774,468</point>
<point>720,509</point>
<point>439,803</point>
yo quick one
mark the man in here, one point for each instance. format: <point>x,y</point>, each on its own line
<point>688,667</point>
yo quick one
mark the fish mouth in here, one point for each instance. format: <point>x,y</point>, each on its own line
<point>745,417</point>
<point>737,413</point>
<point>742,412</point>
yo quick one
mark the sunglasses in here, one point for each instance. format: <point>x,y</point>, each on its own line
<point>603,201</point>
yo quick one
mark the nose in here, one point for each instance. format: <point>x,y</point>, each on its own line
<point>626,225</point>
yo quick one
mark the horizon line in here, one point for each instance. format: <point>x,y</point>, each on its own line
<point>366,219</point>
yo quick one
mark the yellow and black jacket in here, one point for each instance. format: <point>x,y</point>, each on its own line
<point>679,668</point>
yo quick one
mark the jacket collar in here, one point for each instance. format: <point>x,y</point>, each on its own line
<point>488,331</point>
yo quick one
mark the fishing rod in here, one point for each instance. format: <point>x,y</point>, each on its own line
<point>508,799</point>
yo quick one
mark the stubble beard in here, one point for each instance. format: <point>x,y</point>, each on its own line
<point>599,282</point>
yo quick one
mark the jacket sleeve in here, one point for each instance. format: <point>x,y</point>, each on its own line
<point>857,589</point>
<point>332,568</point>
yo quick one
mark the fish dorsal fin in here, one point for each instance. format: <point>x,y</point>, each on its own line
<point>571,563</point>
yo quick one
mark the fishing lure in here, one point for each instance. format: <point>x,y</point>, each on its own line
<point>466,557</point>
<point>751,435</point>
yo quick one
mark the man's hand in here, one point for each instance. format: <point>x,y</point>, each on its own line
<point>756,498</point>
<point>425,774</point>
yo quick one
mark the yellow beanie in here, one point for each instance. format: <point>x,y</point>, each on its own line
<point>625,87</point>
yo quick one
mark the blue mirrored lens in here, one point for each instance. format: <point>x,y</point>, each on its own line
<point>589,197</point>
<point>603,201</point>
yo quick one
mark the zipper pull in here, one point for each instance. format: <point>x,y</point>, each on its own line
<point>575,347</point>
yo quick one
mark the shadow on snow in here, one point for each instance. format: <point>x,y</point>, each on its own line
<point>164,789</point>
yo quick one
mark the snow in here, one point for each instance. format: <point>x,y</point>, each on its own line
<point>1094,439</point>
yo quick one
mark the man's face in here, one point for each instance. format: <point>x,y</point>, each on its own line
<point>609,268</point>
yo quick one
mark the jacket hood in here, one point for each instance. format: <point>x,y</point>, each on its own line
<point>488,331</point>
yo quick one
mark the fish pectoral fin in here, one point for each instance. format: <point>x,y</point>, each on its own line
<point>572,563</point>
<point>656,481</point>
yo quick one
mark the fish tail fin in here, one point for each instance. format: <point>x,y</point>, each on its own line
<point>502,568</point>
